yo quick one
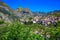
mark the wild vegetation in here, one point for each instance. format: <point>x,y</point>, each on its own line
<point>18,31</point>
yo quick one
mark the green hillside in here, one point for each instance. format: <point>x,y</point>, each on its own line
<point>55,13</point>
<point>3,4</point>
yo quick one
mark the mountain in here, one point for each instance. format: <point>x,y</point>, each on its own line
<point>54,13</point>
<point>6,13</point>
<point>23,12</point>
<point>39,13</point>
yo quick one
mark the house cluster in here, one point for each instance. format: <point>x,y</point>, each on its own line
<point>49,20</point>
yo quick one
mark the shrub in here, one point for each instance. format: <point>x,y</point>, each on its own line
<point>17,31</point>
<point>1,21</point>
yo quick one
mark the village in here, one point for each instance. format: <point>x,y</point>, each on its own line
<point>49,20</point>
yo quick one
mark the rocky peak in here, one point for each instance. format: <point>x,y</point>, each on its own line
<point>23,12</point>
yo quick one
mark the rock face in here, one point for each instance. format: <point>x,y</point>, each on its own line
<point>23,12</point>
<point>6,13</point>
<point>4,17</point>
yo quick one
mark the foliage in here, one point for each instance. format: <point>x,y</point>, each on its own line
<point>1,21</point>
<point>17,31</point>
<point>3,4</point>
<point>55,14</point>
<point>19,9</point>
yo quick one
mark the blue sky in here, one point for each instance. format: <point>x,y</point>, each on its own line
<point>35,5</point>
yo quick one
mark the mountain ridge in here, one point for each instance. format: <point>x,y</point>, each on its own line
<point>10,14</point>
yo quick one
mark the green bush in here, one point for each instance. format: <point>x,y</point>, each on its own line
<point>17,31</point>
<point>1,21</point>
<point>3,4</point>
